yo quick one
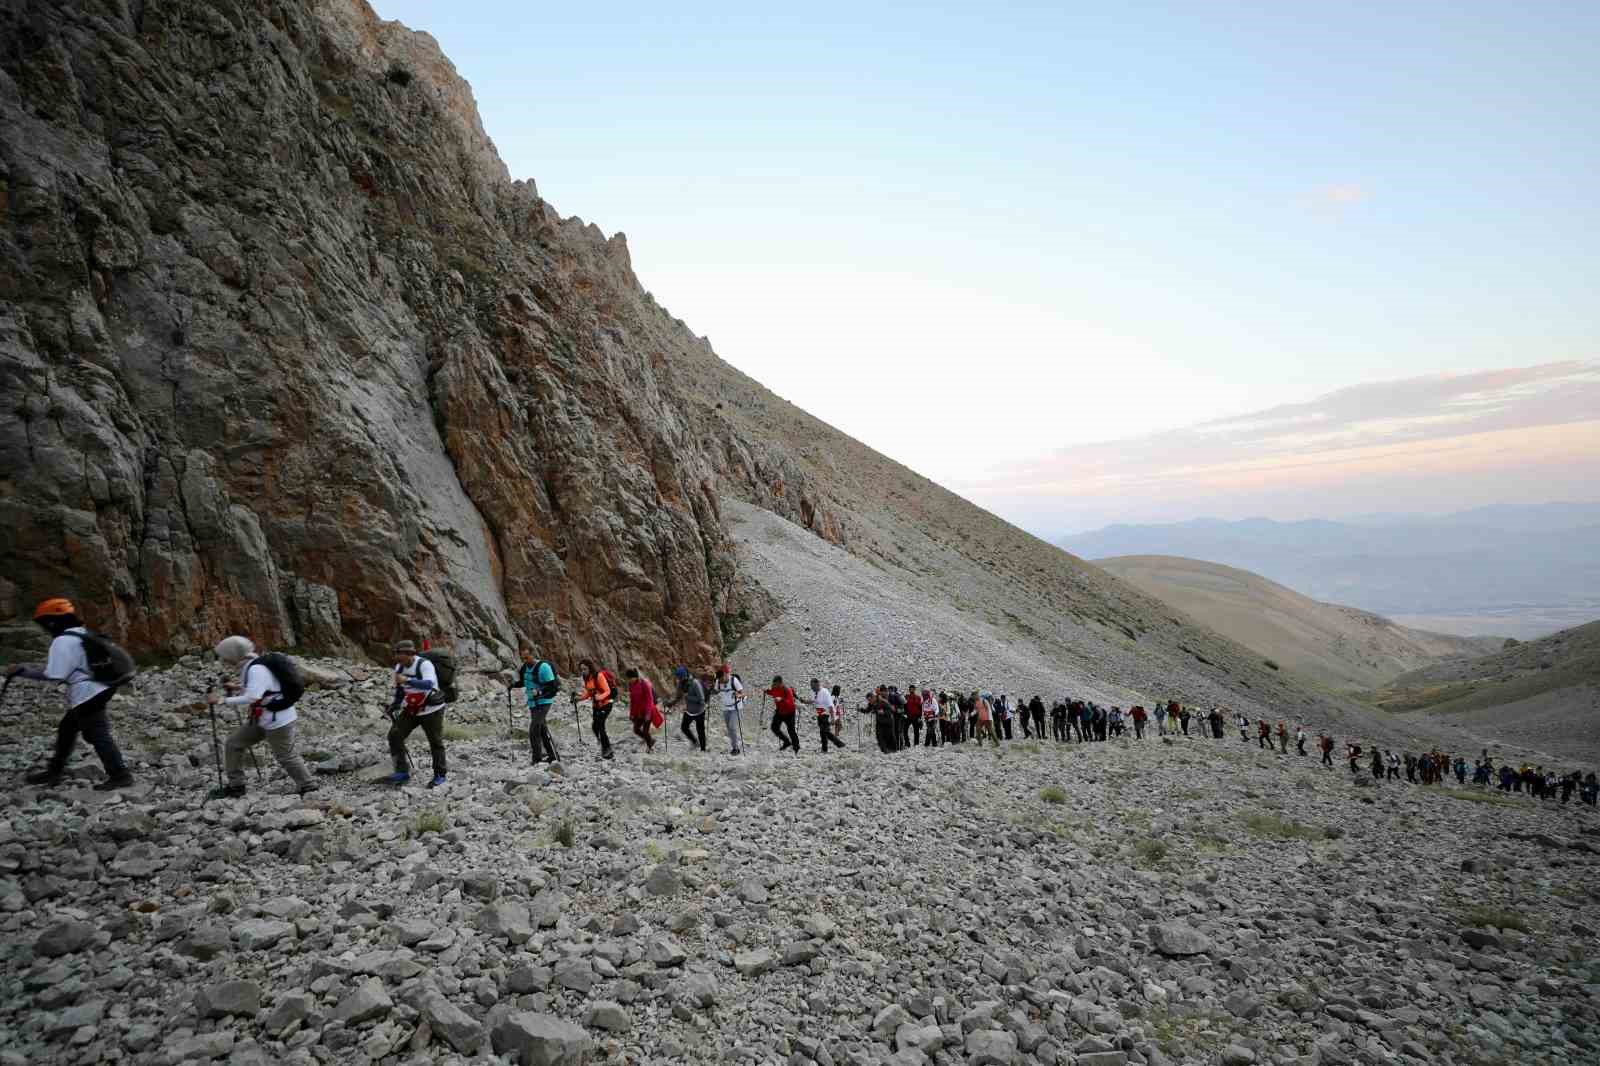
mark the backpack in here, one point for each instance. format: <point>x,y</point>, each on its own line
<point>444,667</point>
<point>291,683</point>
<point>109,664</point>
<point>549,689</point>
<point>611,682</point>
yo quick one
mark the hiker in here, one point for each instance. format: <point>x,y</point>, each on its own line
<point>1036,708</point>
<point>642,711</point>
<point>930,719</point>
<point>1377,765</point>
<point>600,690</point>
<point>417,701</point>
<point>822,702</point>
<point>837,715</point>
<point>729,691</point>
<point>1263,735</point>
<point>1183,719</point>
<point>913,716</point>
<point>1353,753</point>
<point>86,698</point>
<point>537,679</point>
<point>1300,738</point>
<point>1174,715</point>
<point>1058,722</point>
<point>1244,727</point>
<point>1411,768</point>
<point>271,718</point>
<point>1394,766</point>
<point>1590,792</point>
<point>1325,745</point>
<point>1461,773</point>
<point>1001,709</point>
<point>1138,722</point>
<point>1283,738</point>
<point>692,695</point>
<point>783,715</point>
<point>984,713</point>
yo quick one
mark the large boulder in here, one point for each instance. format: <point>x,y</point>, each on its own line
<point>541,1040</point>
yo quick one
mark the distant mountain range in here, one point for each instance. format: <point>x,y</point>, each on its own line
<point>1510,570</point>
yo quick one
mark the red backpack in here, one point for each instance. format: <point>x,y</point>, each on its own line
<point>611,683</point>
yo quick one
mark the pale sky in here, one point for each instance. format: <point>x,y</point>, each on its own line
<point>976,235</point>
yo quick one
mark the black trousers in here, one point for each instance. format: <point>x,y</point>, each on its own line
<point>1058,727</point>
<point>89,720</point>
<point>1005,727</point>
<point>432,725</point>
<point>825,731</point>
<point>694,727</point>
<point>598,724</point>
<point>933,737</point>
<point>539,742</point>
<point>916,732</point>
<point>782,723</point>
<point>1027,734</point>
<point>1138,729</point>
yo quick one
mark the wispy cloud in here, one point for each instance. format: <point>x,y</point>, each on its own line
<point>1338,198</point>
<point>1495,435</point>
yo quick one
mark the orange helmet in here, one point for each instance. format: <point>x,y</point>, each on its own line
<point>54,608</point>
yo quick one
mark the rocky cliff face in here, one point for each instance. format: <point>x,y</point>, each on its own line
<point>284,350</point>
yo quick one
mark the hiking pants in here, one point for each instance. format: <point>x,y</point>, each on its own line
<point>1038,723</point>
<point>280,740</point>
<point>825,733</point>
<point>902,727</point>
<point>1184,721</point>
<point>641,729</point>
<point>730,721</point>
<point>538,732</point>
<point>1006,727</point>
<point>89,720</point>
<point>1058,727</point>
<point>916,732</point>
<point>432,725</point>
<point>782,724</point>
<point>1027,734</point>
<point>1283,743</point>
<point>1394,774</point>
<point>1077,724</point>
<point>1327,757</point>
<point>598,724</point>
<point>1300,745</point>
<point>1138,729</point>
<point>694,727</point>
<point>986,729</point>
<point>933,739</point>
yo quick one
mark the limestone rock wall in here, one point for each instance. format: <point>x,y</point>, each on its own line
<point>283,350</point>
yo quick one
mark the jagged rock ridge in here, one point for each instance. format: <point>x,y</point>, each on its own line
<point>286,351</point>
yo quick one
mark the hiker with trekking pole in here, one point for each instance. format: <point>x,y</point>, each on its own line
<point>783,708</point>
<point>729,690</point>
<point>540,685</point>
<point>643,714</point>
<point>692,694</point>
<point>419,700</point>
<point>270,685</point>
<point>600,689</point>
<point>92,668</point>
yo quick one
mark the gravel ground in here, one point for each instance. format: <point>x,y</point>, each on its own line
<point>1106,904</point>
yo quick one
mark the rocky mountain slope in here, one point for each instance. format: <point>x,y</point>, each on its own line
<point>288,353</point>
<point>1544,693</point>
<point>1337,647</point>
<point>1117,904</point>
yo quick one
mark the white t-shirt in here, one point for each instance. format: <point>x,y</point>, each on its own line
<point>256,685</point>
<point>70,663</point>
<point>730,691</point>
<point>822,699</point>
<point>419,670</point>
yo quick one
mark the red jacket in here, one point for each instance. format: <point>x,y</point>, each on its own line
<point>782,699</point>
<point>913,706</point>
<point>1138,714</point>
<point>641,699</point>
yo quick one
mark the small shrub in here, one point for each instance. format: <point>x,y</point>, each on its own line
<point>566,832</point>
<point>398,75</point>
<point>1272,827</point>
<point>1498,799</point>
<point>1053,794</point>
<point>430,822</point>
<point>1495,918</point>
<point>1150,852</point>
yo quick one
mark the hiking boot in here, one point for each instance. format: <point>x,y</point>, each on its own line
<point>606,754</point>
<point>43,777</point>
<point>399,777</point>
<point>110,784</point>
<point>223,792</point>
<point>438,779</point>
<point>307,788</point>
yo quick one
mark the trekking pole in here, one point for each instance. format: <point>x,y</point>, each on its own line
<point>405,744</point>
<point>575,723</point>
<point>763,710</point>
<point>216,746</point>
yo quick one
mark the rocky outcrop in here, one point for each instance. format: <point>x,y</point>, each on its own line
<point>284,350</point>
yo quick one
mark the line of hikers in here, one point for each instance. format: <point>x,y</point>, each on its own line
<point>269,686</point>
